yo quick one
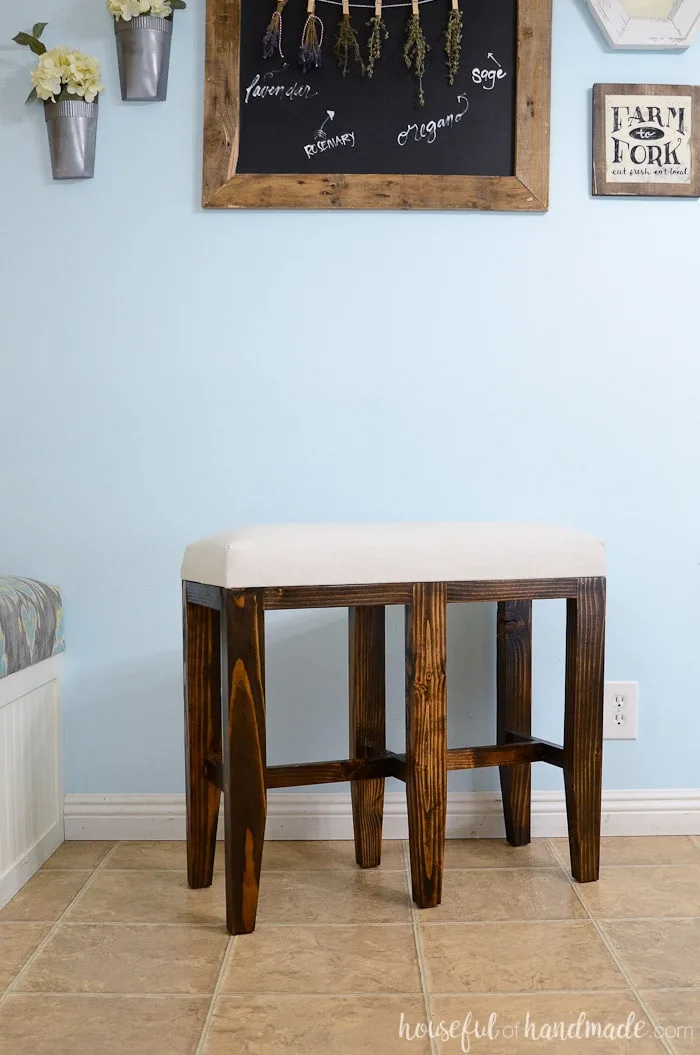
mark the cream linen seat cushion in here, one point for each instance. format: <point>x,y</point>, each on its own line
<point>354,554</point>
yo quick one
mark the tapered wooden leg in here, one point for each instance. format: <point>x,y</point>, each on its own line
<point>366,625</point>
<point>426,738</point>
<point>202,735</point>
<point>514,692</point>
<point>583,726</point>
<point>245,799</point>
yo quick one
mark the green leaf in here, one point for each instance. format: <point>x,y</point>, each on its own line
<point>38,29</point>
<point>32,96</point>
<point>27,40</point>
<point>177,5</point>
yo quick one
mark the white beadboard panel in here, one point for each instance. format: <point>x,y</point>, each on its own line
<point>24,681</point>
<point>29,863</point>
<point>329,816</point>
<point>31,792</point>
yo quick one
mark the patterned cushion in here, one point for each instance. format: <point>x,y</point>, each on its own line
<point>31,623</point>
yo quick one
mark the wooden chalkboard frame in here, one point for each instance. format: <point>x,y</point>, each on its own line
<point>526,191</point>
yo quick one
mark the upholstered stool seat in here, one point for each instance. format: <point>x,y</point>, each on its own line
<point>232,578</point>
<point>337,554</point>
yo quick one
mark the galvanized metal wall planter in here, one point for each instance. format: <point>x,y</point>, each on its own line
<point>68,83</point>
<point>143,54</point>
<point>72,129</point>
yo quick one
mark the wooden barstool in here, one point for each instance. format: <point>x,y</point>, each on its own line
<point>231,579</point>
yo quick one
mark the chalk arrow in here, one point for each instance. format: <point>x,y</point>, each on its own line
<point>320,133</point>
<point>493,58</point>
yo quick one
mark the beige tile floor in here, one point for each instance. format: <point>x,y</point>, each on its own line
<point>106,952</point>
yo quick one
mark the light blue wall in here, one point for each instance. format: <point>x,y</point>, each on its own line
<point>166,373</point>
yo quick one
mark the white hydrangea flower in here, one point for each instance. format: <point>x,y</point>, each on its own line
<point>161,8</point>
<point>83,76</point>
<point>51,73</point>
<point>128,9</point>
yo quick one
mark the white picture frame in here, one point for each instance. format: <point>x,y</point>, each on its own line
<point>647,25</point>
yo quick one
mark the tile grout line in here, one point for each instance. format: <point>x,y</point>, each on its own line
<point>342,871</point>
<point>616,959</point>
<point>265,871</point>
<point>419,948</point>
<point>563,858</point>
<point>392,871</point>
<point>217,989</point>
<point>286,994</point>
<point>86,994</point>
<point>14,984</point>
<point>270,924</point>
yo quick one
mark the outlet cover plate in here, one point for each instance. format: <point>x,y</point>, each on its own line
<point>620,710</point>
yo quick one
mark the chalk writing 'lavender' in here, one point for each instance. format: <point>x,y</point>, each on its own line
<point>262,88</point>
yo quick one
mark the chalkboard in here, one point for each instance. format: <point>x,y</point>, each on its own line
<point>324,122</point>
<point>276,136</point>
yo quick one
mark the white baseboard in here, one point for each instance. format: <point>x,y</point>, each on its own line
<point>328,816</point>
<point>14,879</point>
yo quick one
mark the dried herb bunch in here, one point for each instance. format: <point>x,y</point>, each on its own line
<point>311,41</point>
<point>415,49</point>
<point>272,41</point>
<point>377,34</point>
<point>453,42</point>
<point>347,45</point>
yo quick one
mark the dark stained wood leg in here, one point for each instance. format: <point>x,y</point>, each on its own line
<point>245,800</point>
<point>366,627</point>
<point>583,726</point>
<point>202,736</point>
<point>426,738</point>
<point>514,693</point>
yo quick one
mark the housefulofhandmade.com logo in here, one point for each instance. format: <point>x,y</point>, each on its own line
<point>471,1030</point>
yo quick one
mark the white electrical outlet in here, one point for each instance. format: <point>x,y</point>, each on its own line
<point>620,710</point>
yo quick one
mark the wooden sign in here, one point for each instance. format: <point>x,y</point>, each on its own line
<point>276,136</point>
<point>646,140</point>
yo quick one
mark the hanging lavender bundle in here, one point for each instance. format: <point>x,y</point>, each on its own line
<point>415,49</point>
<point>347,45</point>
<point>453,41</point>
<point>377,33</point>
<point>311,40</point>
<point>272,41</point>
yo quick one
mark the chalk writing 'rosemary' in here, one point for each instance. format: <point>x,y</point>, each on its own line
<point>347,139</point>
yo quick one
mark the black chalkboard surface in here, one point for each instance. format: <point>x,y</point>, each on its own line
<point>322,122</point>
